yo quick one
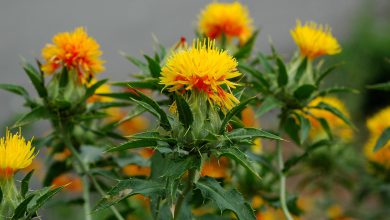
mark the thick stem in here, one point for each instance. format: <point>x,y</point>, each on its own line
<point>85,174</point>
<point>188,189</point>
<point>282,179</point>
<point>86,197</point>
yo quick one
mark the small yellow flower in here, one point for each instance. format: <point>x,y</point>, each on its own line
<point>314,40</point>
<point>75,51</point>
<point>376,125</point>
<point>337,126</point>
<point>15,153</point>
<point>202,68</point>
<point>231,19</point>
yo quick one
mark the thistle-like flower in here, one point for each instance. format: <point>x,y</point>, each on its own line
<point>314,40</point>
<point>15,153</point>
<point>75,51</point>
<point>204,69</point>
<point>376,125</point>
<point>230,19</point>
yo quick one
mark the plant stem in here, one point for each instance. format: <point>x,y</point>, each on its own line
<point>282,178</point>
<point>85,174</point>
<point>86,197</point>
<point>180,200</point>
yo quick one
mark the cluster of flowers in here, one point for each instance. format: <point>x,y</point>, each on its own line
<point>201,72</point>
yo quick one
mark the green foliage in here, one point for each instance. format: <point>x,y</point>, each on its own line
<point>382,140</point>
<point>129,187</point>
<point>237,155</point>
<point>185,114</point>
<point>246,49</point>
<point>226,200</point>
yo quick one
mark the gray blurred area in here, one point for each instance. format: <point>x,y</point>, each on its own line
<point>128,25</point>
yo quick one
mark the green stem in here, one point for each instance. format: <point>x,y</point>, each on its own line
<point>85,174</point>
<point>180,200</point>
<point>11,197</point>
<point>86,197</point>
<point>282,180</point>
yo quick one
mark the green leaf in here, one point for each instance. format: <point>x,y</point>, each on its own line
<point>134,112</point>
<point>43,199</point>
<point>301,70</point>
<point>24,184</point>
<point>185,114</point>
<point>264,62</point>
<point>151,135</point>
<point>127,188</point>
<point>255,73</point>
<point>64,78</point>
<point>175,168</point>
<point>147,83</point>
<point>250,133</point>
<point>291,127</point>
<point>304,91</point>
<point>381,86</point>
<point>154,67</point>
<point>36,114</point>
<point>336,112</point>
<point>117,95</point>
<point>337,90</point>
<point>304,130</point>
<point>267,105</point>
<point>164,122</point>
<point>21,209</point>
<point>92,89</point>
<point>95,106</point>
<point>226,200</point>
<point>237,155</point>
<point>138,63</point>
<point>233,112</point>
<point>36,78</point>
<point>133,144</point>
<point>282,72</point>
<point>19,90</point>
<point>247,48</point>
<point>383,139</point>
<point>326,127</point>
<point>326,73</point>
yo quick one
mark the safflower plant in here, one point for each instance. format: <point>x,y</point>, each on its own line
<point>182,139</point>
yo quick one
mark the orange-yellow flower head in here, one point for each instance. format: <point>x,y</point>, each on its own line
<point>15,153</point>
<point>216,168</point>
<point>75,51</point>
<point>202,68</point>
<point>230,19</point>
<point>376,125</point>
<point>314,40</point>
<point>337,126</point>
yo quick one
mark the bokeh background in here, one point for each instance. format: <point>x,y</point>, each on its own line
<point>128,25</point>
<point>362,27</point>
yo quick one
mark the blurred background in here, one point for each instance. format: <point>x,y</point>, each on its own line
<point>128,25</point>
<point>362,27</point>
